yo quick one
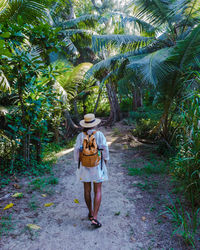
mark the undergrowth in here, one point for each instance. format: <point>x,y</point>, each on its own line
<point>156,167</point>
<point>43,183</point>
<point>35,168</point>
<point>186,223</point>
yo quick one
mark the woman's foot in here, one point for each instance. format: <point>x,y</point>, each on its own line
<point>90,217</point>
<point>96,223</point>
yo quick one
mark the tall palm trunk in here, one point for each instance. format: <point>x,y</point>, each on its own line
<point>97,102</point>
<point>24,140</point>
<point>137,98</point>
<point>76,114</point>
<point>115,114</point>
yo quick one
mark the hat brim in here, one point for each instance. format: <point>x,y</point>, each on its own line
<point>90,125</point>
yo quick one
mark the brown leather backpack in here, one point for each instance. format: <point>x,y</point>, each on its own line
<point>90,156</point>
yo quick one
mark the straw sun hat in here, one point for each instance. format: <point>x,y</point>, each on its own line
<point>89,121</point>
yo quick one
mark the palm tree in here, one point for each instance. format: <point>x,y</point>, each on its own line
<point>10,12</point>
<point>161,58</point>
<point>30,11</point>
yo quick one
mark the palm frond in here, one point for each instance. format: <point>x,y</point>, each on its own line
<point>74,35</point>
<point>157,12</point>
<point>71,47</point>
<point>152,67</point>
<point>4,84</point>
<point>71,32</point>
<point>106,64</point>
<point>79,71</point>
<point>73,80</point>
<point>101,41</point>
<point>3,5</point>
<point>124,18</point>
<point>186,50</point>
<point>3,110</point>
<point>125,84</point>
<point>62,92</point>
<point>187,8</point>
<point>29,10</point>
<point>143,26</point>
<point>88,20</point>
<point>109,62</point>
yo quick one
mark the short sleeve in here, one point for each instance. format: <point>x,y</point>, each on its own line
<point>103,145</point>
<point>77,147</point>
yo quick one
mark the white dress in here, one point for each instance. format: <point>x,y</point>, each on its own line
<point>94,174</point>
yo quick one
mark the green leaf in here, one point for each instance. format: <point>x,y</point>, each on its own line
<point>13,128</point>
<point>4,84</point>
<point>2,43</point>
<point>5,34</point>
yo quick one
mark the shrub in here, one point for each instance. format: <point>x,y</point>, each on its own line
<point>185,166</point>
<point>143,128</point>
<point>126,104</point>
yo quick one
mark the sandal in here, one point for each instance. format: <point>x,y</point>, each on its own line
<point>90,217</point>
<point>97,224</point>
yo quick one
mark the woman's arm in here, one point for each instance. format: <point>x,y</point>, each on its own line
<point>104,147</point>
<point>77,147</point>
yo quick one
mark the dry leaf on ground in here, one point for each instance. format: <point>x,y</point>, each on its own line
<point>132,238</point>
<point>33,226</point>
<point>17,195</point>
<point>8,206</point>
<point>17,186</point>
<point>48,204</point>
<point>143,218</point>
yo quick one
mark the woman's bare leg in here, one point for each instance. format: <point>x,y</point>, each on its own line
<point>97,198</point>
<point>87,196</point>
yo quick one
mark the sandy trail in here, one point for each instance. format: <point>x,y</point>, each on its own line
<point>126,223</point>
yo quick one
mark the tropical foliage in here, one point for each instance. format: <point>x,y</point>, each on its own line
<point>138,60</point>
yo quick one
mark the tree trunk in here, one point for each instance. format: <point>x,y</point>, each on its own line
<point>140,101</point>
<point>28,146</point>
<point>97,102</point>
<point>137,99</point>
<point>38,147</point>
<point>71,127</point>
<point>76,110</point>
<point>115,114</point>
<point>56,134</point>
<point>84,106</point>
<point>24,134</point>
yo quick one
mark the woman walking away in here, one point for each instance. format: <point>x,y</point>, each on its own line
<point>91,153</point>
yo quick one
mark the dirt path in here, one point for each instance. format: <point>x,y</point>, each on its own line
<point>129,214</point>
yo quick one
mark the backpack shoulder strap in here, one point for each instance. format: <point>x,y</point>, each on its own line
<point>92,135</point>
<point>89,137</point>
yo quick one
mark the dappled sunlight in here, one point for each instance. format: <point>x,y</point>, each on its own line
<point>69,150</point>
<point>64,152</point>
<point>129,70</point>
<point>109,143</point>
